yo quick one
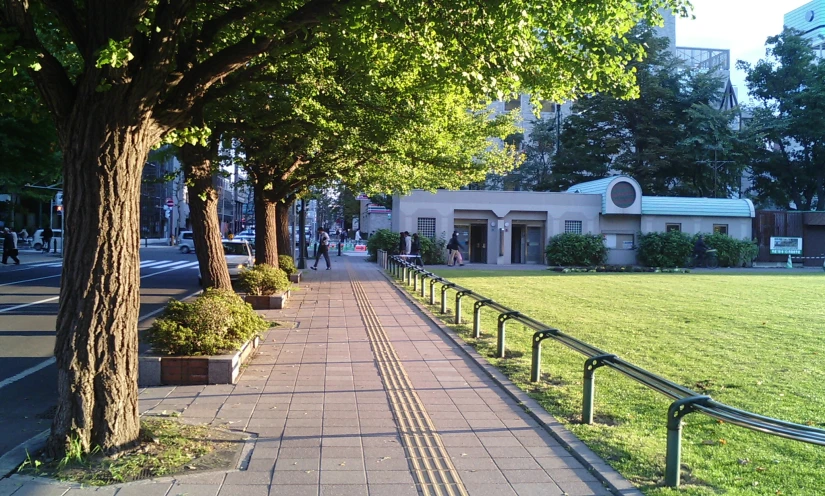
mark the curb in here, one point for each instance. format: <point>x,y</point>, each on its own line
<point>17,455</point>
<point>606,474</point>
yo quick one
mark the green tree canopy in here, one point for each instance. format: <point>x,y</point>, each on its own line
<point>788,124</point>
<point>673,139</point>
<point>117,76</point>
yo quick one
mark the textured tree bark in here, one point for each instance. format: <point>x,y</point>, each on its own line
<point>282,214</point>
<point>97,341</point>
<point>203,210</point>
<point>266,241</point>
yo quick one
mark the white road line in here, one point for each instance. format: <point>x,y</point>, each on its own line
<point>29,371</point>
<point>144,262</point>
<point>30,280</point>
<point>46,363</point>
<point>24,305</point>
<point>190,265</point>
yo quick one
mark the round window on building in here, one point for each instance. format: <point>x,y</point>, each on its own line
<point>623,194</point>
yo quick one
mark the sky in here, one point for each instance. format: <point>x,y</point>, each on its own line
<point>738,25</point>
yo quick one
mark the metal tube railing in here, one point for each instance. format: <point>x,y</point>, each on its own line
<point>685,400</point>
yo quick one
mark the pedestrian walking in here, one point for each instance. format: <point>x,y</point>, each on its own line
<point>402,244</point>
<point>323,249</point>
<point>407,243</point>
<point>454,248</point>
<point>47,236</point>
<point>415,250</point>
<point>10,246</point>
<point>357,236</point>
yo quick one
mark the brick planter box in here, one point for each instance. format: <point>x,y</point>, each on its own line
<point>268,302</point>
<point>181,371</point>
<point>295,278</point>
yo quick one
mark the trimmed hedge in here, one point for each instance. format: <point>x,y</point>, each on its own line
<point>665,249</point>
<point>675,249</point>
<point>216,322</point>
<point>731,252</point>
<point>287,264</point>
<point>263,280</point>
<point>433,252</point>
<point>576,249</point>
<point>382,239</point>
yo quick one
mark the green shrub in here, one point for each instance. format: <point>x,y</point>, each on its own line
<point>263,279</point>
<point>433,252</point>
<point>287,264</point>
<point>731,252</point>
<point>668,249</point>
<point>576,249</point>
<point>382,239</point>
<point>216,322</point>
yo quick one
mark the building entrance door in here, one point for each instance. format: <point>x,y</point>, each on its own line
<point>534,254</point>
<point>517,244</point>
<point>478,243</point>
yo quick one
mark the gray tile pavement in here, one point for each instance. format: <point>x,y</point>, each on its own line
<point>314,397</point>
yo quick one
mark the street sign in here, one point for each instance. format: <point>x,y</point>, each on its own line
<point>169,202</point>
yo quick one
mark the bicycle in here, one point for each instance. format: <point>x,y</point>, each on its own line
<point>709,261</point>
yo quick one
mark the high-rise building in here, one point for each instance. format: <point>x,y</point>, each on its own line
<point>809,19</point>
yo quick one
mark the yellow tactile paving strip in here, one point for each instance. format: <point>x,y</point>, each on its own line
<point>432,469</point>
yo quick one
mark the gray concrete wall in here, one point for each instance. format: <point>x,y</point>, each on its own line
<point>617,229</point>
<point>738,228</point>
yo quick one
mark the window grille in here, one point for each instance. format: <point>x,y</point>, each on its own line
<point>573,226</point>
<point>426,227</point>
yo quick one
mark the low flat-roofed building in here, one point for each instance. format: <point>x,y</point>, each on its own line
<point>513,227</point>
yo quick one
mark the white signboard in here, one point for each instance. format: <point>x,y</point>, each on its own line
<point>786,246</point>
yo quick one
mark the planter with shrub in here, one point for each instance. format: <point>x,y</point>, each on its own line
<point>266,287</point>
<point>287,264</point>
<point>201,342</point>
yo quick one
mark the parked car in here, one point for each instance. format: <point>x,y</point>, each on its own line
<point>186,242</point>
<point>248,236</point>
<point>37,239</point>
<point>238,257</point>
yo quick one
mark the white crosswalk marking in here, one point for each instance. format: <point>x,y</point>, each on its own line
<point>169,265</point>
<point>144,262</point>
<point>153,264</point>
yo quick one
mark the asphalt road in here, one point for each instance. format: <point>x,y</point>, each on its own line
<point>28,309</point>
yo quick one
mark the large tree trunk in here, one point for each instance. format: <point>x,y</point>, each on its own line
<point>266,242</point>
<point>97,341</point>
<point>203,210</point>
<point>282,214</point>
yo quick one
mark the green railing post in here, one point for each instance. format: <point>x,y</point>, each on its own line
<point>589,385</point>
<point>433,282</point>
<point>409,273</point>
<point>535,366</point>
<point>444,289</point>
<point>415,281</point>
<point>477,317</point>
<point>423,286</point>
<point>673,458</point>
<point>502,329</point>
<point>458,297</point>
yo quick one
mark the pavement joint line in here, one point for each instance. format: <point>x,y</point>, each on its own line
<point>606,474</point>
<point>431,465</point>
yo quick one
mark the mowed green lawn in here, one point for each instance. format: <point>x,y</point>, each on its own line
<point>755,342</point>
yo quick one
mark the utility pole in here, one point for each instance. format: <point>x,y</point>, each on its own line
<point>303,239</point>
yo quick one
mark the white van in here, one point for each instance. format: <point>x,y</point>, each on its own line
<point>186,242</point>
<point>37,240</point>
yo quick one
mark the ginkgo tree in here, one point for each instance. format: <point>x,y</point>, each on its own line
<point>118,75</point>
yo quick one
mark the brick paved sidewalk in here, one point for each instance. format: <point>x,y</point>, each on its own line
<point>364,396</point>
